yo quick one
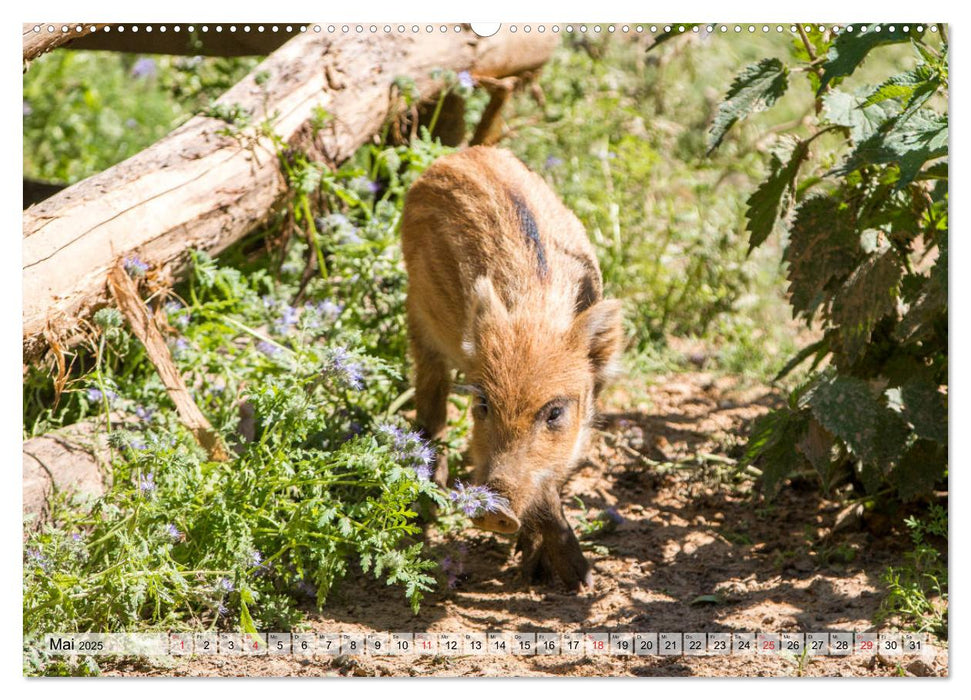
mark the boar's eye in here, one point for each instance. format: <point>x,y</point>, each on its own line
<point>554,416</point>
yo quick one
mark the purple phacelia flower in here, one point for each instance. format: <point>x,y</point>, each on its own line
<point>423,472</point>
<point>329,310</point>
<point>256,559</point>
<point>77,537</point>
<point>146,484</point>
<point>350,237</point>
<point>145,414</point>
<point>135,267</point>
<point>466,80</point>
<point>268,348</point>
<point>179,347</point>
<point>390,433</point>
<point>144,68</point>
<point>131,123</point>
<point>410,449</point>
<point>286,321</point>
<point>345,368</point>
<point>225,584</point>
<point>476,500</point>
<point>38,558</point>
<point>173,532</point>
<point>180,320</point>
<point>222,610</point>
<point>353,430</point>
<point>365,186</point>
<point>28,110</point>
<point>340,225</point>
<point>136,444</point>
<point>95,395</point>
<point>552,162</point>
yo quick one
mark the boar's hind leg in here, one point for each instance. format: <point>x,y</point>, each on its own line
<point>432,384</point>
<point>550,547</point>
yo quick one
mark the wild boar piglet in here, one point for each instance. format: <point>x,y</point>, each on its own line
<point>504,286</point>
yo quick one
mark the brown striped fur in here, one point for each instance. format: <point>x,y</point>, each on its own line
<point>504,287</point>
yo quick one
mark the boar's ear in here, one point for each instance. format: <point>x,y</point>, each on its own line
<point>485,308</point>
<point>599,328</point>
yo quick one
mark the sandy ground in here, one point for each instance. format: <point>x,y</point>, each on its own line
<point>694,552</point>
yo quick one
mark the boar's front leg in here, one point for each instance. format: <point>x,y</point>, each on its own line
<point>550,547</point>
<point>432,385</point>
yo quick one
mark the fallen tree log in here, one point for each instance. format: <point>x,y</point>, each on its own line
<point>41,37</point>
<point>125,292</point>
<point>197,43</point>
<point>206,185</point>
<point>73,461</point>
<point>245,39</point>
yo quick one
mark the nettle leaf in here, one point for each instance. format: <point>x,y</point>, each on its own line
<point>765,202</point>
<point>850,48</point>
<point>930,307</point>
<point>755,89</point>
<point>823,244</point>
<point>900,87</point>
<point>816,445</point>
<point>922,467</point>
<point>820,349</point>
<point>677,29</point>
<point>907,142</point>
<point>849,409</point>
<point>869,294</point>
<point>772,445</point>
<point>925,408</point>
<point>851,111</point>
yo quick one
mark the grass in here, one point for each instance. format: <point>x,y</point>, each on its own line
<point>85,111</point>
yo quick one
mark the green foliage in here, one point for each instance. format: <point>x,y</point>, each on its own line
<point>620,138</point>
<point>764,204</point>
<point>85,111</point>
<point>755,89</point>
<point>848,49</point>
<point>867,265</point>
<point>301,375</point>
<point>917,591</point>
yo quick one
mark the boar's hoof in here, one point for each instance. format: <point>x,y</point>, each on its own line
<point>501,520</point>
<point>557,555</point>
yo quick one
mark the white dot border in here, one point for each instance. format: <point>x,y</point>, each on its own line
<point>600,29</point>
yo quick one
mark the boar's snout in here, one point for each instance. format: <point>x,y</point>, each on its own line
<point>499,515</point>
<point>501,520</point>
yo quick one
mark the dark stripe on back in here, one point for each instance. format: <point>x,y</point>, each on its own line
<point>527,224</point>
<point>591,286</point>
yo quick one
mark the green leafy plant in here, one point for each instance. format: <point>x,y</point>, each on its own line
<point>85,111</point>
<point>917,591</point>
<point>616,138</point>
<point>866,252</point>
<point>302,376</point>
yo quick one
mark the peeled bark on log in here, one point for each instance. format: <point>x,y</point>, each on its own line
<point>202,188</point>
<point>140,320</point>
